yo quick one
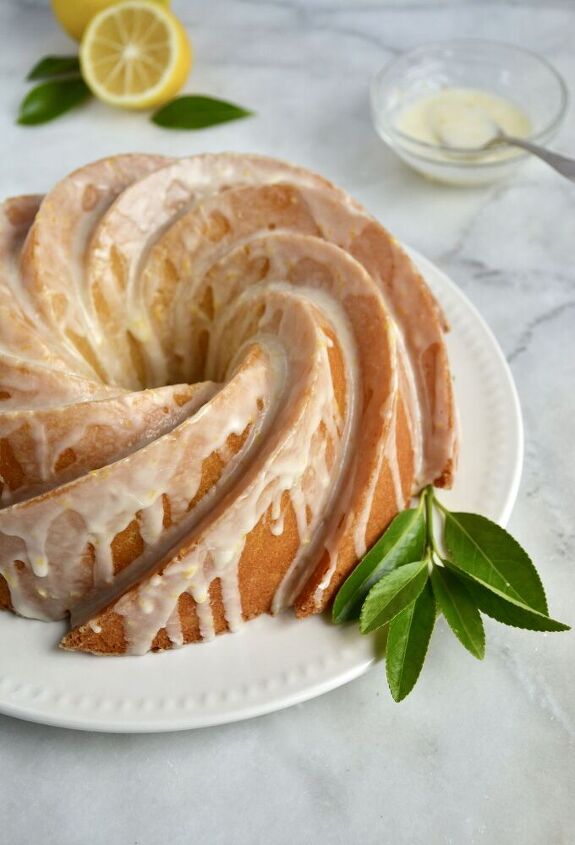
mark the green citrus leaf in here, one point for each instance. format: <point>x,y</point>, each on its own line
<point>51,66</point>
<point>403,542</point>
<point>51,99</point>
<point>505,610</point>
<point>493,557</point>
<point>392,594</point>
<point>459,609</point>
<point>407,643</point>
<point>196,112</point>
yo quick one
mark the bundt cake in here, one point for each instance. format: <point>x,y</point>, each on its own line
<point>220,379</point>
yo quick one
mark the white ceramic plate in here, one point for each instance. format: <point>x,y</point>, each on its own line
<point>271,663</point>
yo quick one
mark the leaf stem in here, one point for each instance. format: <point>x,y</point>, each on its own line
<point>432,546</point>
<point>437,503</point>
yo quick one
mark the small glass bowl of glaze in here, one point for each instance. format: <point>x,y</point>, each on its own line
<point>519,76</point>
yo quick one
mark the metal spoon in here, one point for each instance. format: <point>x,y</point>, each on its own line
<point>455,134</point>
<point>562,164</point>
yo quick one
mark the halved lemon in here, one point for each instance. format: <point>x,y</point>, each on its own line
<point>135,55</point>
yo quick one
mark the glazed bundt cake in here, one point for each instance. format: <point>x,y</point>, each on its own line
<point>220,379</point>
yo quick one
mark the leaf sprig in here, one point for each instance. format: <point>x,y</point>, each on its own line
<point>63,89</point>
<point>406,581</point>
<point>197,112</point>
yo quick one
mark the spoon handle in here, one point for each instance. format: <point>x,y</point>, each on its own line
<point>562,164</point>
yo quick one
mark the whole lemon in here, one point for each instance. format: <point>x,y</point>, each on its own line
<point>75,15</point>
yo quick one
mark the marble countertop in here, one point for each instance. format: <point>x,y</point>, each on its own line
<point>479,753</point>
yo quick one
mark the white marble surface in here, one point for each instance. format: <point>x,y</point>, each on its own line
<point>479,753</point>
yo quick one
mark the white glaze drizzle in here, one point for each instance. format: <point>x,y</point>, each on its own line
<point>287,460</point>
<point>105,501</point>
<point>301,449</point>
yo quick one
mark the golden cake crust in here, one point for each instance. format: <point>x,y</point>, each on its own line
<point>223,380</point>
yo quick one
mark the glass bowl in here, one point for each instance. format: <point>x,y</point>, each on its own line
<point>518,75</point>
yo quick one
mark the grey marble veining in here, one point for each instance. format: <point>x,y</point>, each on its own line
<point>479,753</point>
